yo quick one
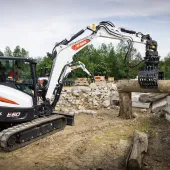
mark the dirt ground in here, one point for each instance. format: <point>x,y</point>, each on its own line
<point>99,141</point>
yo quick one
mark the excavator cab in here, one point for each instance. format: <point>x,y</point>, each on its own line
<point>18,89</point>
<point>18,73</point>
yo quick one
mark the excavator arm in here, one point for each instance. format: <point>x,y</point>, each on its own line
<point>66,49</point>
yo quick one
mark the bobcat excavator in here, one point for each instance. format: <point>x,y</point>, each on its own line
<point>24,120</point>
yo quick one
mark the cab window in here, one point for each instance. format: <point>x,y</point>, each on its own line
<point>18,73</point>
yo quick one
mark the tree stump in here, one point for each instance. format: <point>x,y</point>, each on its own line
<point>125,105</point>
<point>139,147</point>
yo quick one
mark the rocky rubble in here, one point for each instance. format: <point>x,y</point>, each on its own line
<point>89,98</point>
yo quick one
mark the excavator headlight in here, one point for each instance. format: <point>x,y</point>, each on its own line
<point>153,47</point>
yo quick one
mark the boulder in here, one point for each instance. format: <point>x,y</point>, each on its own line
<point>93,87</point>
<point>80,107</point>
<point>106,103</point>
<point>75,91</point>
<point>95,103</point>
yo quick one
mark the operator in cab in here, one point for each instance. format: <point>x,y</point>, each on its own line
<point>14,74</point>
<point>14,77</point>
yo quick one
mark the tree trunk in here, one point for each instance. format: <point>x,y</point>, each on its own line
<point>133,86</point>
<point>139,147</point>
<point>125,105</point>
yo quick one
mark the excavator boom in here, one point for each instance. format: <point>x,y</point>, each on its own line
<point>66,49</point>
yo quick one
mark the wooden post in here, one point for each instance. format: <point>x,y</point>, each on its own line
<point>125,105</point>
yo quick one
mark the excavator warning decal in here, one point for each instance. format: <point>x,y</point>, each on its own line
<point>80,44</point>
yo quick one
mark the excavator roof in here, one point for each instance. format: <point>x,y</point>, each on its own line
<point>31,60</point>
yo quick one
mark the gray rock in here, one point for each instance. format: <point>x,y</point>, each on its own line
<point>64,110</point>
<point>143,110</point>
<point>167,116</point>
<point>93,87</point>
<point>77,102</point>
<point>75,91</point>
<point>135,115</point>
<point>85,91</point>
<point>106,103</point>
<point>76,112</point>
<point>95,103</point>
<point>81,107</point>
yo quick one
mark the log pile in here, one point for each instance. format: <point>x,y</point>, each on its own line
<point>126,87</point>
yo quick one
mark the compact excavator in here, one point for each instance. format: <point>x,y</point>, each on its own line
<point>23,119</point>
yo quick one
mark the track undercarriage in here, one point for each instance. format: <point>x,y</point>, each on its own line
<point>23,134</point>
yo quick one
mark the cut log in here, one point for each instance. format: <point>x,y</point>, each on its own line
<point>145,98</point>
<point>125,105</point>
<point>141,105</point>
<point>138,148</point>
<point>133,85</point>
<point>136,103</point>
<point>152,97</point>
<point>158,105</point>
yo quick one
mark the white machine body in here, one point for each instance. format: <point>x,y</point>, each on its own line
<point>10,97</point>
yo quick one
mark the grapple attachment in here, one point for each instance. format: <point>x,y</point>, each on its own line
<point>149,75</point>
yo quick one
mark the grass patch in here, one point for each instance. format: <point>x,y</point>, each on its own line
<point>114,135</point>
<point>144,125</point>
<point>125,131</point>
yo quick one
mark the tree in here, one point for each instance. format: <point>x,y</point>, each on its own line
<point>165,66</point>
<point>1,53</point>
<point>24,53</point>
<point>20,52</point>
<point>43,62</point>
<point>112,63</point>
<point>8,52</point>
<point>102,69</point>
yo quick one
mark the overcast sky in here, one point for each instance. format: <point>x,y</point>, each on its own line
<point>37,24</point>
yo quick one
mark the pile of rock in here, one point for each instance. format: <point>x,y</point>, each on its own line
<point>92,97</point>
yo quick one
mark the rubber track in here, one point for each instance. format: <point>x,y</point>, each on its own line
<point>5,134</point>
